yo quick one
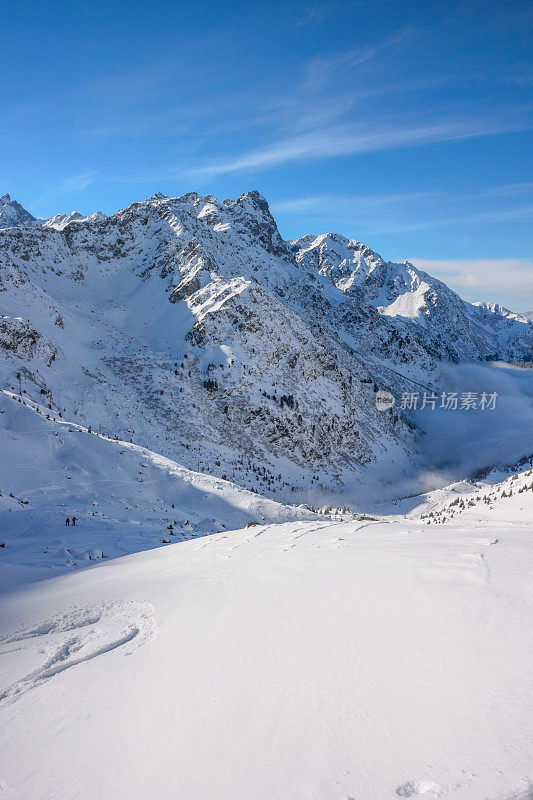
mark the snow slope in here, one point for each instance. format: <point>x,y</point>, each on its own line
<point>307,660</point>
<point>124,496</point>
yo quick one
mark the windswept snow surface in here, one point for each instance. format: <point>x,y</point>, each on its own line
<point>370,659</point>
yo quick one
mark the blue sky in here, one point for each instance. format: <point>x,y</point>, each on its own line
<point>406,125</point>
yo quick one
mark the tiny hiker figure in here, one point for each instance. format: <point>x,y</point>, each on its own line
<point>74,520</point>
<point>67,521</point>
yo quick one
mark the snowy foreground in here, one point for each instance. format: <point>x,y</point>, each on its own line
<point>308,659</point>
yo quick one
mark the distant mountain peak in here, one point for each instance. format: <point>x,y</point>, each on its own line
<point>60,221</point>
<point>12,213</point>
<point>257,199</point>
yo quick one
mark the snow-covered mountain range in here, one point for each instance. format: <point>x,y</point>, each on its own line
<point>190,326</point>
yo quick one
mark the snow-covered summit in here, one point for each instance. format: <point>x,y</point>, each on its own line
<point>415,302</point>
<point>60,221</point>
<point>497,309</point>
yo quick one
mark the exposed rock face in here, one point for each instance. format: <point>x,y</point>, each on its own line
<point>263,365</point>
<point>12,213</point>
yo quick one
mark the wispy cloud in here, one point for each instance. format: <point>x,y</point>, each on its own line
<point>70,184</point>
<point>365,215</point>
<point>298,204</point>
<point>317,12</point>
<point>76,183</point>
<point>508,190</point>
<point>502,215</point>
<point>335,107</point>
<point>329,143</point>
<point>322,70</point>
<point>496,216</point>
<point>348,203</point>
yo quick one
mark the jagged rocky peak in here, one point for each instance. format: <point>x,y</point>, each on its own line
<point>255,211</point>
<point>248,216</point>
<point>346,261</point>
<point>497,309</point>
<point>256,199</point>
<point>333,247</point>
<point>60,221</point>
<point>12,213</point>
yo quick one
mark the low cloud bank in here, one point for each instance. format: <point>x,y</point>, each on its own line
<point>455,444</point>
<point>462,441</point>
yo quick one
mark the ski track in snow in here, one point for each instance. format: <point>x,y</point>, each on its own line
<point>521,795</point>
<point>413,788</point>
<point>91,633</point>
<point>430,789</point>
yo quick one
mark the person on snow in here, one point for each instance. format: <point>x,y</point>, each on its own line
<point>74,521</point>
<point>67,521</point>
